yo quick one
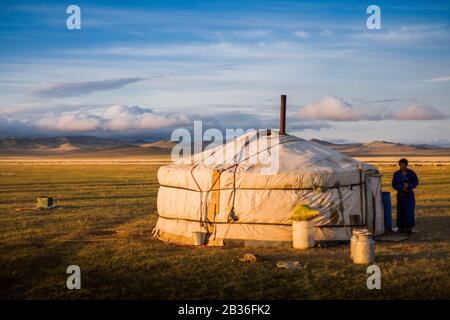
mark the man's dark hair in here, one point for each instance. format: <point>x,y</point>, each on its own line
<point>403,160</point>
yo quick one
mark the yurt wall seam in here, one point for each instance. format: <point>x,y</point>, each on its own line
<point>317,188</point>
<point>265,223</point>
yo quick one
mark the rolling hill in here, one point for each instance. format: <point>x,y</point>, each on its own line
<point>385,148</point>
<point>79,147</point>
<point>85,146</point>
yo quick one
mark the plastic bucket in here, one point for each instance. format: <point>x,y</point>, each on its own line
<point>303,234</point>
<point>387,208</point>
<point>199,238</point>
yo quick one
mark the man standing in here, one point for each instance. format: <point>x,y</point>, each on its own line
<point>404,181</point>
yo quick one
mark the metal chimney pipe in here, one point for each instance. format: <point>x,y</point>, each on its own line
<point>283,115</point>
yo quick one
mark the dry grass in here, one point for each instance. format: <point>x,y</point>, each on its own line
<point>103,222</point>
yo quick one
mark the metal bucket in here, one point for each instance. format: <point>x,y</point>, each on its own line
<point>199,238</point>
<point>302,234</point>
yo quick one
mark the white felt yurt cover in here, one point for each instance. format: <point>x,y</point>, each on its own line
<point>246,189</point>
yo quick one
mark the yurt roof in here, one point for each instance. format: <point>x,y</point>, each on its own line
<point>251,152</point>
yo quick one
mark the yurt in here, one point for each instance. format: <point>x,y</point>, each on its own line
<point>246,189</point>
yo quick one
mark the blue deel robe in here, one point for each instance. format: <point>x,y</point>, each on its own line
<point>406,201</point>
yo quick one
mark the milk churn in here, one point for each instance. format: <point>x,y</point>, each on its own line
<point>364,249</point>
<point>355,233</point>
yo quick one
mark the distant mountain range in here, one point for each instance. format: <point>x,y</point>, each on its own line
<point>385,148</point>
<point>82,146</point>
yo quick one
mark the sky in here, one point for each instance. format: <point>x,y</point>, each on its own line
<point>144,68</point>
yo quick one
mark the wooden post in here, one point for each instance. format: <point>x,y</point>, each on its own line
<point>214,201</point>
<point>283,115</point>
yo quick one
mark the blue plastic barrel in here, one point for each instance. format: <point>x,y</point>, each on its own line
<point>387,206</point>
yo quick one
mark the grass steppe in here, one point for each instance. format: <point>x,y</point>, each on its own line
<point>103,220</point>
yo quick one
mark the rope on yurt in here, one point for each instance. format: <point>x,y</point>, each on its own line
<point>222,147</point>
<point>261,223</point>
<point>203,208</point>
<point>315,188</point>
<point>317,161</point>
<point>255,154</point>
<point>202,224</point>
<point>214,152</point>
<point>231,166</point>
<point>232,215</point>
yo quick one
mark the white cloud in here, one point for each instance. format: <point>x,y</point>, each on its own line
<point>302,34</point>
<point>120,118</point>
<point>337,109</point>
<point>330,108</point>
<point>418,112</point>
<point>440,79</point>
<point>114,118</point>
<point>69,123</point>
<point>220,50</point>
<point>408,34</point>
